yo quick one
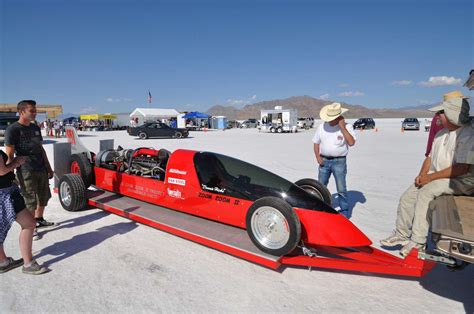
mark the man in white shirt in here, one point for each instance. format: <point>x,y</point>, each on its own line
<point>331,146</point>
<point>448,169</point>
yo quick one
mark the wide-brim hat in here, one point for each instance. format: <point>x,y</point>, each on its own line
<point>455,109</point>
<point>331,112</point>
<point>454,94</point>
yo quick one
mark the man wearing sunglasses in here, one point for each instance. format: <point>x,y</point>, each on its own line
<point>448,169</point>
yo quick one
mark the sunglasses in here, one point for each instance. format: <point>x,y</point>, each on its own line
<point>440,112</point>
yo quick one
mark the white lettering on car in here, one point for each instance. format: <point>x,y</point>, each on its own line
<point>174,193</point>
<point>177,171</point>
<point>177,181</point>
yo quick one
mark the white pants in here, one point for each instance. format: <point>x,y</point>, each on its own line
<point>412,221</point>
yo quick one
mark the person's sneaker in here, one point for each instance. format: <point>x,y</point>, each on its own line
<point>41,223</point>
<point>410,246</point>
<point>34,269</point>
<point>394,239</point>
<point>11,264</point>
<point>36,235</point>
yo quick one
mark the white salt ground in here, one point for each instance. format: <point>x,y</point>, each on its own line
<point>104,263</point>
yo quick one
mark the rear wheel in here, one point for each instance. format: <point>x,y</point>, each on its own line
<point>315,188</point>
<point>72,192</point>
<point>273,226</point>
<point>279,130</point>
<point>79,164</point>
<point>143,135</point>
<point>178,135</point>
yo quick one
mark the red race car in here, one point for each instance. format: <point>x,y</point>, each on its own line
<point>276,213</point>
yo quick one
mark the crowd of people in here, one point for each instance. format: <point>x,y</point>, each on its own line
<point>53,128</point>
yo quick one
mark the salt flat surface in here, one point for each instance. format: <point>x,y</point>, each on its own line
<point>104,263</point>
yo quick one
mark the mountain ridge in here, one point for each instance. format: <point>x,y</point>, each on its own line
<point>308,106</point>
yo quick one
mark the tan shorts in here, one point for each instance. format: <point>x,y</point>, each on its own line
<point>34,188</point>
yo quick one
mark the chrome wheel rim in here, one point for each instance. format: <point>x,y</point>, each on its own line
<point>270,228</point>
<point>65,193</point>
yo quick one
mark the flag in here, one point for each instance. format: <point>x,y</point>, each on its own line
<point>149,97</point>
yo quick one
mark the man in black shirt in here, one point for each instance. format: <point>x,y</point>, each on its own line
<point>23,138</point>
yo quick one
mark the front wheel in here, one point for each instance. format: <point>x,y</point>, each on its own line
<point>143,135</point>
<point>279,130</point>
<point>72,192</point>
<point>273,226</point>
<point>178,135</point>
<point>315,188</point>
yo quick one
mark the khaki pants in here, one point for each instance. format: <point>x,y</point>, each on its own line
<point>412,221</point>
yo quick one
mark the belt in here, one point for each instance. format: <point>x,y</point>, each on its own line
<point>330,157</point>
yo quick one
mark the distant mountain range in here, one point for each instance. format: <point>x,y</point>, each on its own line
<point>308,106</point>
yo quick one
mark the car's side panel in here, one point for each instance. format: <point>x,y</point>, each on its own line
<point>181,191</point>
<point>146,189</point>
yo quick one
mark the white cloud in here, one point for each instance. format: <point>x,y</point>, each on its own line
<point>434,81</point>
<point>241,102</point>
<point>88,110</point>
<point>114,100</point>
<point>402,82</point>
<point>351,94</point>
<point>324,96</point>
<point>344,85</point>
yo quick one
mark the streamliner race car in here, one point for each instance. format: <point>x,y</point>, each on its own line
<point>287,223</point>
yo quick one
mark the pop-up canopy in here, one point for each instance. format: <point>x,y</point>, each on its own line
<point>195,115</point>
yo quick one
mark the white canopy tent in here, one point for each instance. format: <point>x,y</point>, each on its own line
<point>152,114</point>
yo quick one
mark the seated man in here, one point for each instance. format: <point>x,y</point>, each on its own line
<point>447,170</point>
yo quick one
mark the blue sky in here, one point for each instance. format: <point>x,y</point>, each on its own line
<point>104,56</point>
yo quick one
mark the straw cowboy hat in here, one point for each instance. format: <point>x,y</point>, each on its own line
<point>455,109</point>
<point>455,94</point>
<point>331,112</point>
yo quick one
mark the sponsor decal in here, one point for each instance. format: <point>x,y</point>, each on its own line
<point>222,199</point>
<point>177,181</point>
<point>205,195</point>
<point>213,189</point>
<point>174,193</point>
<point>177,171</point>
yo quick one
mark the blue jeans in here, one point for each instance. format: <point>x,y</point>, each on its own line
<point>338,168</point>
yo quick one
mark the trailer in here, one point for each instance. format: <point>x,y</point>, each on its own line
<point>279,120</point>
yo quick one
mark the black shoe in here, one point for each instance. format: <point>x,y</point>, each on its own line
<point>44,223</point>
<point>11,264</point>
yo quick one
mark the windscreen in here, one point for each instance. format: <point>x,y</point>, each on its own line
<point>229,176</point>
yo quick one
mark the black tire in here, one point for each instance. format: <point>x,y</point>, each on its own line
<point>79,163</point>
<point>272,130</point>
<point>72,192</point>
<point>315,188</point>
<point>279,130</point>
<point>178,135</point>
<point>260,228</point>
<point>143,135</point>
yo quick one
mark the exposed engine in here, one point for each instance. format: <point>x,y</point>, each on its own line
<point>144,162</point>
